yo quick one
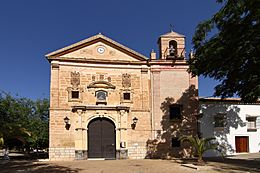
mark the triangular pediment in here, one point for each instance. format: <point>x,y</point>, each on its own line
<point>97,47</point>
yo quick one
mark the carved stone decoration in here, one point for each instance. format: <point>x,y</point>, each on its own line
<point>101,77</point>
<point>86,51</point>
<point>101,84</point>
<point>112,53</point>
<point>93,78</point>
<point>126,80</point>
<point>109,79</point>
<point>75,79</point>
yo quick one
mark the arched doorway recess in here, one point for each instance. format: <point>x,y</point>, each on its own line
<point>101,139</point>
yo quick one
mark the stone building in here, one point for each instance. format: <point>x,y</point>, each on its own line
<point>109,102</point>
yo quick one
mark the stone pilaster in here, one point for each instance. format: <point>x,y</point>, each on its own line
<point>80,136</point>
<point>122,153</point>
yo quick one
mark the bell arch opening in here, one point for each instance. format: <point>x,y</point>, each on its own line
<point>173,48</point>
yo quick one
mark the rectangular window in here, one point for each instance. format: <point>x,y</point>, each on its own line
<point>219,120</point>
<point>175,111</point>
<point>126,96</point>
<point>74,94</point>
<point>251,123</point>
<point>176,142</point>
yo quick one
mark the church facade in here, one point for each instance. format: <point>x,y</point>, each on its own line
<point>109,102</point>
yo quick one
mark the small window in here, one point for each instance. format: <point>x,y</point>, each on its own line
<point>175,111</point>
<point>101,95</point>
<point>219,120</point>
<point>74,94</point>
<point>251,123</point>
<point>126,96</point>
<point>176,142</point>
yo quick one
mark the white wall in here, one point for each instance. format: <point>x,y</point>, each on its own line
<point>235,125</point>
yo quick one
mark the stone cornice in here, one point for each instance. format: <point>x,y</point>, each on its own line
<point>121,62</point>
<point>168,62</point>
<point>75,108</point>
<point>96,61</point>
<point>100,107</point>
<point>59,109</point>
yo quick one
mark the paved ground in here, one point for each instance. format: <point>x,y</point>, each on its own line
<point>238,164</point>
<point>243,162</point>
<point>107,166</point>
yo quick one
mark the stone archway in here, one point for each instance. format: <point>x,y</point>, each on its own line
<point>101,139</point>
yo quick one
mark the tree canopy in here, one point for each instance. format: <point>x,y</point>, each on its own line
<point>24,122</point>
<point>227,49</point>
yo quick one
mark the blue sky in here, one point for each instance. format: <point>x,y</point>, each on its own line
<point>29,29</point>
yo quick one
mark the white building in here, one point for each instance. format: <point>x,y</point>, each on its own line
<point>234,124</point>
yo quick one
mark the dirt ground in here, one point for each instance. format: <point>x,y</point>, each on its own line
<point>245,164</point>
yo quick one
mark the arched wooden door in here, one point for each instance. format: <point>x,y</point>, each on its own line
<point>101,139</point>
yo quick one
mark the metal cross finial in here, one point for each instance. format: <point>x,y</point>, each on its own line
<point>171,27</point>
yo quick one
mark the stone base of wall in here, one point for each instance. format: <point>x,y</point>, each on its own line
<point>137,150</point>
<point>61,153</point>
<point>81,154</point>
<point>122,154</point>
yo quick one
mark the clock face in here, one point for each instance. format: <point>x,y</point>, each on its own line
<point>101,50</point>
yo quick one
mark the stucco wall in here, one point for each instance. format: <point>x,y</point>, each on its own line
<point>236,125</point>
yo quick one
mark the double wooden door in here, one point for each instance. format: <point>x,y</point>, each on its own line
<point>241,144</point>
<point>101,139</point>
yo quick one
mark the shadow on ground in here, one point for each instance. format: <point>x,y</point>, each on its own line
<point>30,166</point>
<point>234,165</point>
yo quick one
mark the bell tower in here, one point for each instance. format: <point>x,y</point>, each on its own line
<point>172,46</point>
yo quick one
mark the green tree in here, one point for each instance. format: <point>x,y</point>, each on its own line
<point>227,48</point>
<point>39,125</point>
<point>24,120</point>
<point>13,118</point>
<point>201,145</point>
